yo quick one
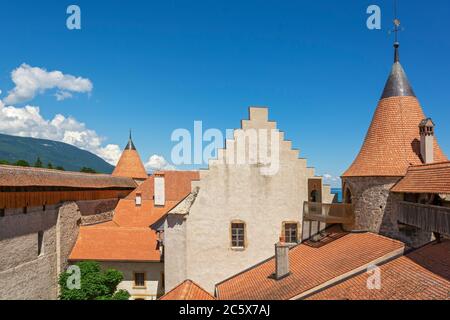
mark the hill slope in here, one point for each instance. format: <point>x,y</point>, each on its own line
<point>69,157</point>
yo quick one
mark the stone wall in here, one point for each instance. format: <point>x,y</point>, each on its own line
<point>376,209</point>
<point>175,250</point>
<point>25,274</point>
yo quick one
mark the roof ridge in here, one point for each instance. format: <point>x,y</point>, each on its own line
<point>19,168</point>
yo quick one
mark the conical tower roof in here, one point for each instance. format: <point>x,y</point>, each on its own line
<point>130,164</point>
<point>392,143</point>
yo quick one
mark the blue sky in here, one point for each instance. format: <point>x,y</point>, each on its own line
<point>159,65</point>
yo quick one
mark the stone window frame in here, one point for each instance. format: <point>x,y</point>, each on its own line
<point>239,248</point>
<point>135,285</point>
<point>283,231</point>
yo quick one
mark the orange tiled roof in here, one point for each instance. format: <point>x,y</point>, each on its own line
<point>421,275</point>
<point>128,215</point>
<point>130,165</point>
<point>130,227</point>
<point>430,178</point>
<point>115,244</point>
<point>188,290</point>
<point>12,176</point>
<point>392,143</point>
<point>177,183</point>
<point>310,267</point>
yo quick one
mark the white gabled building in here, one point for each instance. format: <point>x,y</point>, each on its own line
<point>240,209</point>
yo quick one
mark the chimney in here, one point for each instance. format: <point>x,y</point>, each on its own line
<point>138,199</point>
<point>281,260</point>
<point>426,128</point>
<point>160,190</point>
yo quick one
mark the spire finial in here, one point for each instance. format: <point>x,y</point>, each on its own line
<point>130,144</point>
<point>396,30</point>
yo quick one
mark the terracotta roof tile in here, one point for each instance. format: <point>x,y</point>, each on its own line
<point>392,143</point>
<point>188,290</point>
<point>128,237</point>
<point>130,165</point>
<point>430,178</point>
<point>11,176</point>
<point>421,275</point>
<point>108,243</point>
<point>311,265</point>
<point>177,183</point>
<point>128,215</point>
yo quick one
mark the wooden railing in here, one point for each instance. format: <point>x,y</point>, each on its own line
<point>329,213</point>
<point>40,198</point>
<point>426,217</point>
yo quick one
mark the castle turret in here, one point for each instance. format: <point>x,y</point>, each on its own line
<point>130,164</point>
<point>393,143</point>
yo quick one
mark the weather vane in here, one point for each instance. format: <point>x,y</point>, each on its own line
<point>397,23</point>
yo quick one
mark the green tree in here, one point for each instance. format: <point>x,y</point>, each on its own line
<point>60,168</point>
<point>95,284</point>
<point>87,170</point>
<point>38,163</point>
<point>22,163</point>
<point>49,165</point>
<point>4,162</point>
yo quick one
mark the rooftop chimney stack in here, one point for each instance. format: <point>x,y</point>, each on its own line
<point>281,260</point>
<point>160,190</point>
<point>138,199</point>
<point>426,128</point>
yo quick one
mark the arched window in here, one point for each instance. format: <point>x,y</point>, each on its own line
<point>347,196</point>
<point>314,196</point>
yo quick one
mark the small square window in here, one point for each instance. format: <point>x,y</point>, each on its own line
<point>291,233</point>
<point>139,279</point>
<point>238,235</point>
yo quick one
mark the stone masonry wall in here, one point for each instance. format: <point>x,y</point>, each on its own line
<point>376,209</point>
<point>25,274</point>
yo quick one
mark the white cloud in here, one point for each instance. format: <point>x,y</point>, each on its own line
<point>332,180</point>
<point>63,95</point>
<point>28,122</point>
<point>157,163</point>
<point>31,81</point>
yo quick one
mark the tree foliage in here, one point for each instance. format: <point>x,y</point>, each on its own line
<point>38,163</point>
<point>95,284</point>
<point>22,163</point>
<point>87,170</point>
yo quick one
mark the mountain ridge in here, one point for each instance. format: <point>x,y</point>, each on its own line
<point>71,158</point>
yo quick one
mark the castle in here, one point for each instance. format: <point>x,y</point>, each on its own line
<point>237,230</point>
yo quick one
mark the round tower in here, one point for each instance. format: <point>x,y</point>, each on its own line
<point>130,164</point>
<point>391,146</point>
